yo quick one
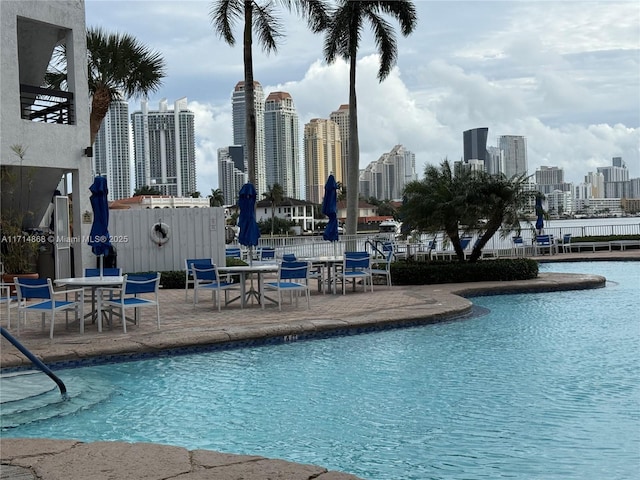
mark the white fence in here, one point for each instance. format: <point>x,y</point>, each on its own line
<point>161,239</point>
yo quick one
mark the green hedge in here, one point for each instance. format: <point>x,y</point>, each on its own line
<point>604,238</point>
<point>427,273</point>
<point>424,273</point>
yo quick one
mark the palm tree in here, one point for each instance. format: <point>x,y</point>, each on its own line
<point>119,67</point>
<point>274,194</point>
<point>438,202</point>
<point>216,199</point>
<point>259,15</point>
<point>343,36</point>
<point>501,202</point>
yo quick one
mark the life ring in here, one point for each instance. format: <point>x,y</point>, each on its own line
<point>160,233</point>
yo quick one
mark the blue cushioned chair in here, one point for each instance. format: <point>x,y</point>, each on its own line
<point>292,277</point>
<point>128,295</point>
<point>41,291</point>
<point>206,278</point>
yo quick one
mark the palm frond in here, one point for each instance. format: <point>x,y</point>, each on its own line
<point>224,14</point>
<point>267,26</point>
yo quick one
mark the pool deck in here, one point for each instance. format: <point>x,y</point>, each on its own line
<point>182,326</point>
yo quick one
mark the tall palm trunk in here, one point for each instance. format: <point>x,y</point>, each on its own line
<point>249,96</point>
<point>99,108</point>
<point>353,165</point>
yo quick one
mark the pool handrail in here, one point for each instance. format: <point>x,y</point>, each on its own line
<point>35,360</point>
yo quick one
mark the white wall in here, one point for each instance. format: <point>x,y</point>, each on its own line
<point>193,233</point>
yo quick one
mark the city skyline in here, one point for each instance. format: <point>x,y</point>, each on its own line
<point>564,75</point>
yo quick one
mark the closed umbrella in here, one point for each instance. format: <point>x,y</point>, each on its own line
<point>249,231</point>
<point>330,209</point>
<point>539,214</point>
<point>99,237</point>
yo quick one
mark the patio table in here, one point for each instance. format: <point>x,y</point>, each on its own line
<point>329,264</point>
<point>94,283</point>
<point>244,271</point>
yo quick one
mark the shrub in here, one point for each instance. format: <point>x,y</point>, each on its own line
<point>428,273</point>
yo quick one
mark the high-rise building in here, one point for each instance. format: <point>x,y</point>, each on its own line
<point>322,156</point>
<point>596,183</point>
<point>231,172</point>
<point>617,172</point>
<point>386,178</point>
<point>495,161</point>
<point>341,118</point>
<point>514,148</point>
<point>111,153</point>
<point>239,130</point>
<point>282,143</point>
<point>475,144</point>
<point>164,148</point>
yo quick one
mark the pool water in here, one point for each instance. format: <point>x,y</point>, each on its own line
<point>544,386</point>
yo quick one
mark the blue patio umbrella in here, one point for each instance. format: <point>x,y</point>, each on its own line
<point>330,209</point>
<point>249,231</point>
<point>99,237</point>
<point>539,214</point>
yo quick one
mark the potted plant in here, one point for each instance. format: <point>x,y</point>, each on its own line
<point>18,249</point>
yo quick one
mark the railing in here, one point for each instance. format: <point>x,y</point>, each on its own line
<point>46,105</point>
<point>35,360</point>
<point>311,246</point>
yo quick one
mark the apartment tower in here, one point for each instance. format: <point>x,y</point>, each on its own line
<point>164,148</point>
<point>322,156</point>
<point>514,148</point>
<point>341,118</point>
<point>111,152</point>
<point>282,143</point>
<point>231,172</point>
<point>239,130</point>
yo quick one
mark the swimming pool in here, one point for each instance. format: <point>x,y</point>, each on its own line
<point>545,386</point>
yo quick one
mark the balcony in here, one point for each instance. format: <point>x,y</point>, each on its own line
<point>47,106</point>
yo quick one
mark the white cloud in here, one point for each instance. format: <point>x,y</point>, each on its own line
<point>566,75</point>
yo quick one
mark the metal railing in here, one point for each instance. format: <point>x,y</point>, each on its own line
<point>35,360</point>
<point>45,105</point>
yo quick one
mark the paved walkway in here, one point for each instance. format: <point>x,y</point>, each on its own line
<point>183,325</point>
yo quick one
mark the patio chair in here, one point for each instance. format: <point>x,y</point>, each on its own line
<point>233,252</point>
<point>381,267</point>
<point>41,290</point>
<point>107,272</point>
<point>206,277</point>
<point>9,299</point>
<point>267,254</point>
<point>128,296</point>
<point>188,272</point>
<point>566,243</point>
<point>545,242</point>
<point>356,267</point>
<point>517,246</point>
<point>292,277</point>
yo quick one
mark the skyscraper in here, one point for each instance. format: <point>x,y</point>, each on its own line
<point>514,148</point>
<point>282,143</point>
<point>386,178</point>
<point>322,156</point>
<point>111,154</point>
<point>164,148</point>
<point>495,161</point>
<point>231,172</point>
<point>341,118</point>
<point>239,130</point>
<point>475,144</point>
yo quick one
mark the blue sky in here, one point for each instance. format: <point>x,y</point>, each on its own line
<point>564,74</point>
